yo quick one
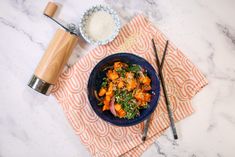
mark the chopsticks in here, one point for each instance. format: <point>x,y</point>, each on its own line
<point>170,114</point>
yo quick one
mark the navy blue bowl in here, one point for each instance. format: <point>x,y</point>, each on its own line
<point>96,78</point>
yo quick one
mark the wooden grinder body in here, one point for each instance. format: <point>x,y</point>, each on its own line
<point>56,56</point>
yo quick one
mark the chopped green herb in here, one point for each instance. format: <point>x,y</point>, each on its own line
<point>121,71</point>
<point>100,104</point>
<point>134,68</point>
<point>105,82</point>
<point>133,114</point>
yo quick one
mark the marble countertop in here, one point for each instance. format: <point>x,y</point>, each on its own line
<point>34,125</point>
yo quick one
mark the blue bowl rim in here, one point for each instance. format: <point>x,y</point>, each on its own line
<point>128,123</point>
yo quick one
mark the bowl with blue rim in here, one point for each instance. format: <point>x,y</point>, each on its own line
<point>88,14</point>
<point>96,78</point>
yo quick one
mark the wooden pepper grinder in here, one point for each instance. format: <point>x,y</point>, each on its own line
<point>55,56</point>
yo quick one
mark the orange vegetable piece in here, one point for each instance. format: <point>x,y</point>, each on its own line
<point>147,88</point>
<point>112,75</point>
<point>131,84</point>
<point>121,84</point>
<point>139,95</point>
<point>142,103</point>
<point>110,90</point>
<point>107,98</point>
<point>141,78</point>
<point>102,91</point>
<point>117,107</point>
<point>147,97</point>
<point>121,113</point>
<point>106,102</point>
<point>118,65</point>
<point>110,86</point>
<point>146,80</point>
<point>109,93</point>
<point>106,105</point>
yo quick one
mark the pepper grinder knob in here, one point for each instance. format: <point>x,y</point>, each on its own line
<point>50,9</point>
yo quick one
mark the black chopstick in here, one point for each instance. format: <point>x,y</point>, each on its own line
<point>146,126</point>
<point>160,66</point>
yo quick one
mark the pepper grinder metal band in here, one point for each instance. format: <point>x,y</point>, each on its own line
<point>54,58</point>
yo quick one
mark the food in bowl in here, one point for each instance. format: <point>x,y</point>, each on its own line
<point>125,90</point>
<point>96,79</point>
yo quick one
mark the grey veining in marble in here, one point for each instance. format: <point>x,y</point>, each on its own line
<point>34,125</point>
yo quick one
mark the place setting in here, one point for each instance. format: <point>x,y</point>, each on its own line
<point>123,94</point>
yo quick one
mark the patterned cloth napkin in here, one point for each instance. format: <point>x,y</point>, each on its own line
<point>183,81</point>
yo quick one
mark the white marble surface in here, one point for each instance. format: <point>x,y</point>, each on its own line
<point>34,125</point>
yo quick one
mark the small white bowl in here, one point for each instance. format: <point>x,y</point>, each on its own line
<point>85,17</point>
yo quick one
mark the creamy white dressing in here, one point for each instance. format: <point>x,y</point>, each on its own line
<point>100,26</point>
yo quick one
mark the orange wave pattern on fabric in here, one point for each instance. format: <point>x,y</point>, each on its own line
<point>182,78</point>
